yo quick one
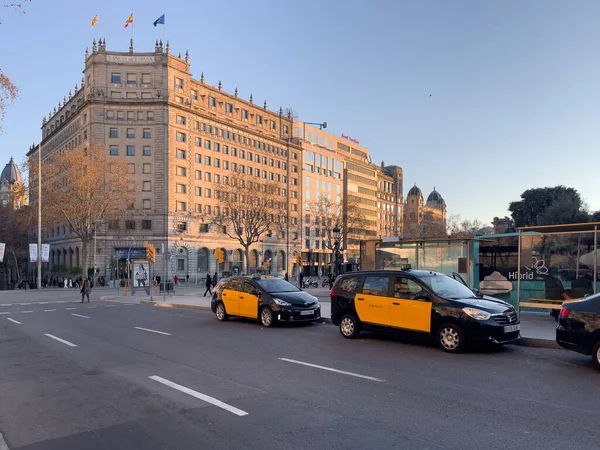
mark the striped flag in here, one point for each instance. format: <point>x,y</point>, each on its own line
<point>95,20</point>
<point>130,20</point>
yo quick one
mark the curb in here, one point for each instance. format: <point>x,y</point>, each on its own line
<point>3,444</point>
<point>524,341</point>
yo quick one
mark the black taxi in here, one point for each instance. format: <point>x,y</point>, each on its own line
<point>268,298</point>
<point>420,302</point>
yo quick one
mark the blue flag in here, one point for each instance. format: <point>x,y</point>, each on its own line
<point>160,20</point>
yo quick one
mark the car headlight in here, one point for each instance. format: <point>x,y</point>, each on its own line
<point>477,314</point>
<point>280,302</point>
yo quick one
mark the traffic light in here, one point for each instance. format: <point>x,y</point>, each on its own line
<point>299,259</point>
<point>150,252</point>
<point>219,255</point>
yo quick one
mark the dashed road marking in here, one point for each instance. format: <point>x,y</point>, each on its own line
<point>7,312</point>
<point>26,312</point>
<point>14,321</point>
<point>25,304</point>
<point>79,315</point>
<point>152,331</point>
<point>51,336</point>
<point>69,309</point>
<point>330,369</point>
<point>49,310</point>
<point>200,396</point>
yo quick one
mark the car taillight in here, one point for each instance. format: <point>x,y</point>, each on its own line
<point>331,295</point>
<point>564,312</point>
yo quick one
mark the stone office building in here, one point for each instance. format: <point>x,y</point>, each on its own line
<point>180,136</point>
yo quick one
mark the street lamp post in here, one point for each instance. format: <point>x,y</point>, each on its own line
<point>320,125</point>
<point>336,236</point>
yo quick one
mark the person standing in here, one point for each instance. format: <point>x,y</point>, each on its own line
<point>208,284</point>
<point>187,278</point>
<point>300,280</point>
<point>286,277</point>
<point>85,290</point>
<point>214,280</point>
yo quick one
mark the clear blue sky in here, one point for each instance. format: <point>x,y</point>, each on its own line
<point>482,99</point>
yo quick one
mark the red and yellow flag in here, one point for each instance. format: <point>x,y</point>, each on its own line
<point>95,19</point>
<point>130,20</point>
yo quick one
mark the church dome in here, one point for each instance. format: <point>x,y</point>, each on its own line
<point>11,173</point>
<point>415,191</point>
<point>435,197</point>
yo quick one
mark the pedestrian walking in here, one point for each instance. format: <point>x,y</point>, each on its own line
<point>214,280</point>
<point>187,278</point>
<point>66,284</point>
<point>208,284</point>
<point>176,280</point>
<point>85,290</point>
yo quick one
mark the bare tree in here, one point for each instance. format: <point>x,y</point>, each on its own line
<point>430,226</point>
<point>458,227</point>
<point>327,215</point>
<point>81,187</point>
<point>248,208</point>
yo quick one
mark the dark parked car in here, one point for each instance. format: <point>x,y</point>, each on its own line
<point>270,299</point>
<point>579,326</point>
<point>421,303</point>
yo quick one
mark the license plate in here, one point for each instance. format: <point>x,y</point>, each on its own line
<point>511,328</point>
<point>307,313</point>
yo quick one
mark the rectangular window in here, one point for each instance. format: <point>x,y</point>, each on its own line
<point>120,115</point>
<point>212,102</point>
<point>198,208</point>
<point>130,133</point>
<point>114,133</point>
<point>217,162</point>
<point>180,136</point>
<point>198,191</point>
<point>207,160</point>
<point>194,94</point>
<point>180,206</point>
<point>181,171</point>
<point>146,78</point>
<point>207,144</point>
<point>198,158</point>
<point>259,120</point>
<point>114,150</point>
<point>150,115</point>
<point>180,188</point>
<point>180,120</point>
<point>181,226</point>
<point>198,174</point>
<point>147,203</point>
<point>207,193</point>
<point>146,150</point>
<point>146,224</point>
<point>130,115</point>
<point>244,114</point>
<point>217,147</point>
<point>198,142</point>
<point>208,177</point>
<point>229,108</point>
<point>179,85</point>
<point>115,78</point>
<point>181,153</point>
<point>273,125</point>
<point>131,78</point>
<point>147,186</point>
<point>110,114</point>
<point>130,150</point>
<point>146,168</point>
<point>130,224</point>
<point>140,115</point>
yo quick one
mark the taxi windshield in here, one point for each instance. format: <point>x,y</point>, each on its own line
<point>276,285</point>
<point>444,286</point>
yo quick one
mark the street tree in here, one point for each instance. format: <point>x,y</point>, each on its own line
<point>549,206</point>
<point>327,215</point>
<point>8,90</point>
<point>81,187</point>
<point>248,208</point>
<point>458,227</point>
<point>430,226</point>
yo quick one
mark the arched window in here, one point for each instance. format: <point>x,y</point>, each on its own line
<point>281,262</point>
<point>203,260</point>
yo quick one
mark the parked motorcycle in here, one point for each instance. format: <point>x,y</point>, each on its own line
<point>307,282</point>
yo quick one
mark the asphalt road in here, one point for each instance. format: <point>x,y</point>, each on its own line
<point>123,376</point>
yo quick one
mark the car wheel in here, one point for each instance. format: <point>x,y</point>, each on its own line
<point>221,313</point>
<point>451,338</point>
<point>596,354</point>
<point>349,326</point>
<point>266,317</point>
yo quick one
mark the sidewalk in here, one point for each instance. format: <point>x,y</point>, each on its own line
<point>537,329</point>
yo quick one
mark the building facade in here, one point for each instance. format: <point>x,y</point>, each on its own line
<point>424,218</point>
<point>12,189</point>
<point>180,137</point>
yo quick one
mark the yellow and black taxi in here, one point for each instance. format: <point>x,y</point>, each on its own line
<point>269,299</point>
<point>420,302</point>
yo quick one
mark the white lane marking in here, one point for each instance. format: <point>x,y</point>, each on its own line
<point>343,372</point>
<point>109,306</point>
<point>69,309</point>
<point>79,315</point>
<point>6,304</point>
<point>62,301</point>
<point>7,312</point>
<point>152,331</point>
<point>51,336</point>
<point>49,310</point>
<point>25,304</point>
<point>91,307</point>
<point>26,312</point>
<point>14,321</point>
<point>200,396</point>
<point>43,303</point>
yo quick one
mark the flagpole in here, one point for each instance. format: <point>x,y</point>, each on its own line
<point>132,26</point>
<point>165,25</point>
